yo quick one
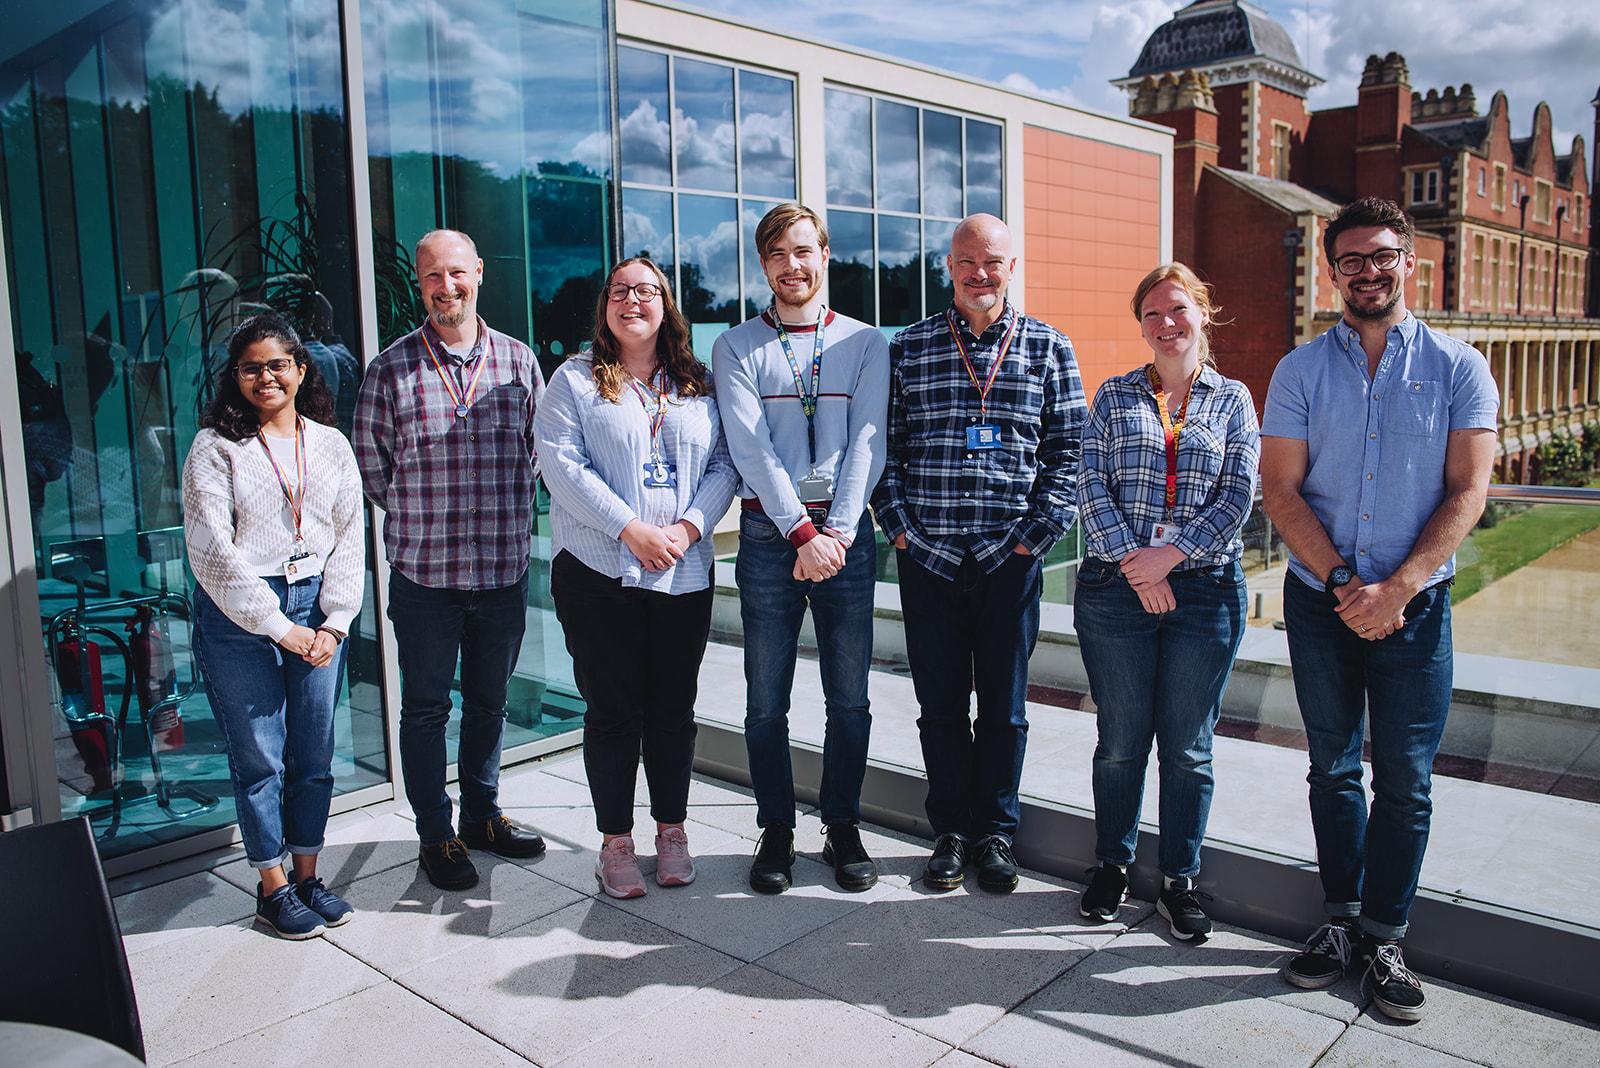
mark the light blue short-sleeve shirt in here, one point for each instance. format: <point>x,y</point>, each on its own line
<point>1375,470</point>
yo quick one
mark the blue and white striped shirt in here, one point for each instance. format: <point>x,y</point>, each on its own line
<point>593,453</point>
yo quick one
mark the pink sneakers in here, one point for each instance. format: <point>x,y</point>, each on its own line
<point>618,869</point>
<point>674,865</point>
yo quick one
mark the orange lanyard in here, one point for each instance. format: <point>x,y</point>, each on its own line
<point>1172,427</point>
<point>295,500</point>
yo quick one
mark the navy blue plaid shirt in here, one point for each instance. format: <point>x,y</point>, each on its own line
<point>948,500</point>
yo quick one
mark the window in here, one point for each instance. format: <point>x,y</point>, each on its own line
<point>1499,187</point>
<point>1541,201</point>
<point>1477,268</point>
<point>1496,275</point>
<point>1577,215</point>
<point>1424,284</point>
<point>1483,174</point>
<point>1280,151</point>
<point>1425,185</point>
<point>1544,279</point>
<point>899,179</point>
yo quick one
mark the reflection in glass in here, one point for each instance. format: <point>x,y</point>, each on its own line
<point>897,156</point>
<point>766,135</point>
<point>849,146</point>
<point>702,121</point>
<point>984,168</point>
<point>850,283</point>
<point>899,273</point>
<point>646,126</point>
<point>708,236</point>
<point>941,164</point>
<point>936,287</point>
<point>757,293</point>
<point>647,226</point>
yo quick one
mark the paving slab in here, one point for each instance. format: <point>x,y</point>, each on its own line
<point>178,909</point>
<point>1045,903</point>
<point>1363,1048</point>
<point>753,1017</point>
<point>560,983</point>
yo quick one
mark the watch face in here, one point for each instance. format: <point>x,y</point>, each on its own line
<point>1338,577</point>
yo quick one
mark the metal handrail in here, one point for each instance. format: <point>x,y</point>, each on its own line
<point>1545,494</point>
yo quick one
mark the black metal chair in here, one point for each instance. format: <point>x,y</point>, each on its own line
<point>65,964</point>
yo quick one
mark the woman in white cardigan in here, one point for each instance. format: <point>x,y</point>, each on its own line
<point>272,518</point>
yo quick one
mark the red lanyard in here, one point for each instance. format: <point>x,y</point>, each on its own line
<point>462,399</point>
<point>1172,428</point>
<point>966,361</point>
<point>295,500</point>
<point>644,392</point>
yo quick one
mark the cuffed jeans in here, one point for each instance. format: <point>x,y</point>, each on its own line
<point>1156,677</point>
<point>431,628</point>
<point>772,605</point>
<point>636,658</point>
<point>1370,863</point>
<point>974,632</point>
<point>275,712</point>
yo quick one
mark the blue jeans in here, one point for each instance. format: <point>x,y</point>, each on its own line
<point>1156,678</point>
<point>772,605</point>
<point>275,712</point>
<point>1370,863</point>
<point>974,632</point>
<point>431,627</point>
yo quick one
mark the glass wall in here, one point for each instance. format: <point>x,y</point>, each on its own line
<point>168,167</point>
<point>707,150</point>
<point>899,179</point>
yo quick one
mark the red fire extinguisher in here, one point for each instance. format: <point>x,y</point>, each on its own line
<point>83,704</point>
<point>155,677</point>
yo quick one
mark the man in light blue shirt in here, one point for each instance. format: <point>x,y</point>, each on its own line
<point>1376,447</point>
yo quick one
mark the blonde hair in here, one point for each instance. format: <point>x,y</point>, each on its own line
<point>776,223</point>
<point>1180,275</point>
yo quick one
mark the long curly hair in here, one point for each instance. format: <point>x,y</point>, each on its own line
<point>236,418</point>
<point>677,357</point>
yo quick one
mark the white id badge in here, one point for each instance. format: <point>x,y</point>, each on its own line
<point>299,568</point>
<point>1164,534</point>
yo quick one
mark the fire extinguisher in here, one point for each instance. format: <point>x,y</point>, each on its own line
<point>83,702</point>
<point>155,677</point>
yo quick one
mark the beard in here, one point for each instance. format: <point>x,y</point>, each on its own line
<point>798,300</point>
<point>1375,312</point>
<point>451,319</point>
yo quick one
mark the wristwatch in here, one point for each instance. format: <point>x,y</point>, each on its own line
<point>1338,577</point>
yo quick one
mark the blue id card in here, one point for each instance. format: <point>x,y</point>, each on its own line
<point>983,436</point>
<point>660,475</point>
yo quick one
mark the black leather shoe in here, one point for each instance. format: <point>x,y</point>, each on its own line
<point>852,869</point>
<point>997,868</point>
<point>769,874</point>
<point>944,867</point>
<point>448,866</point>
<point>502,838</point>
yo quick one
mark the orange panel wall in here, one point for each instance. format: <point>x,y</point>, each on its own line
<point>1092,216</point>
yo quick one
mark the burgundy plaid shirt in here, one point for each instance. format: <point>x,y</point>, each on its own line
<point>457,492</point>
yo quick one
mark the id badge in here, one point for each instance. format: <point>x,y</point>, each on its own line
<point>660,475</point>
<point>301,567</point>
<point>815,489</point>
<point>983,436</point>
<point>1164,534</point>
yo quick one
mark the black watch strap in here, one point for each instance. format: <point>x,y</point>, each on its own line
<point>1339,576</point>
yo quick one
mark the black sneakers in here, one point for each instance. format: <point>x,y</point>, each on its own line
<point>943,871</point>
<point>769,874</point>
<point>1108,889</point>
<point>502,838</point>
<point>853,870</point>
<point>1395,990</point>
<point>448,865</point>
<point>1326,956</point>
<point>997,867</point>
<point>1180,904</point>
<point>286,914</point>
<point>333,909</point>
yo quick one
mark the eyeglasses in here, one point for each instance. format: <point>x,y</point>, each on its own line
<point>248,371</point>
<point>645,291</point>
<point>1385,259</point>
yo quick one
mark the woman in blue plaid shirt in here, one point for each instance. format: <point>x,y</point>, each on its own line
<point>1165,484</point>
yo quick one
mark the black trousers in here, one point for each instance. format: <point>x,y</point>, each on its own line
<point>636,658</point>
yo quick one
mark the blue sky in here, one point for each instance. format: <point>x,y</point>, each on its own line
<point>1067,49</point>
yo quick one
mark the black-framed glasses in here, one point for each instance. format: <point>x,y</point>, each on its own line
<point>1385,259</point>
<point>645,291</point>
<point>248,371</point>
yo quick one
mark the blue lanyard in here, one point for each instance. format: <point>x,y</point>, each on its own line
<point>808,401</point>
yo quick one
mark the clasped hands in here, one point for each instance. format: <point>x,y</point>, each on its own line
<point>1374,611</point>
<point>315,647</point>
<point>658,548</point>
<point>1146,570</point>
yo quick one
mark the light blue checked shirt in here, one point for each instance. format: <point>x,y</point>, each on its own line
<point>593,454</point>
<point>1122,478</point>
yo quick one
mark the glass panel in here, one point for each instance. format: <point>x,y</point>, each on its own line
<point>937,289</point>
<point>757,293</point>
<point>849,146</point>
<point>646,121</point>
<point>766,135</point>
<point>702,120</point>
<point>708,234</point>
<point>647,226</point>
<point>984,168</point>
<point>897,156</point>
<point>899,276</point>
<point>850,288</point>
<point>941,164</point>
<point>197,172</point>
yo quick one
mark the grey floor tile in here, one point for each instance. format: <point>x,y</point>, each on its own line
<point>1048,904</point>
<point>959,1058</point>
<point>562,982</point>
<point>752,1017</point>
<point>180,908</point>
<point>1492,1031</point>
<point>1361,1047</point>
<point>550,786</point>
<point>382,1025</point>
<point>900,857</point>
<point>403,921</point>
<point>1112,1011</point>
<point>929,963</point>
<point>356,850</point>
<point>199,992</point>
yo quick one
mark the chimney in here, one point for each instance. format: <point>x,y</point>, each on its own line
<point>1186,104</point>
<point>1383,109</point>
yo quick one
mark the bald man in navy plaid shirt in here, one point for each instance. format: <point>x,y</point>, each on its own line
<point>986,410</point>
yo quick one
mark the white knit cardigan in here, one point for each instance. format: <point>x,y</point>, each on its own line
<point>234,511</point>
